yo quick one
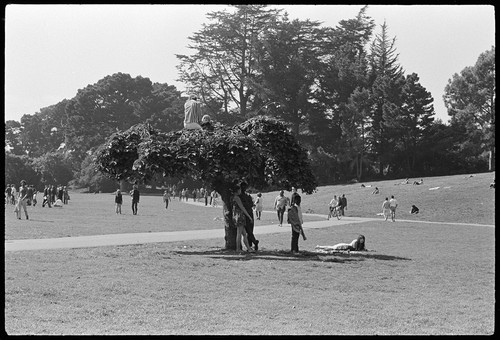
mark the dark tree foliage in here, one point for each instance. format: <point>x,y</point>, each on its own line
<point>260,151</point>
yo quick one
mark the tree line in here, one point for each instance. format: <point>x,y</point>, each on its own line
<point>340,90</point>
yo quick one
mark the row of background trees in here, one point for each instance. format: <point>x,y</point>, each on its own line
<point>341,90</point>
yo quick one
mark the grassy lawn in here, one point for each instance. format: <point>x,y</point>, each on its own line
<point>416,278</point>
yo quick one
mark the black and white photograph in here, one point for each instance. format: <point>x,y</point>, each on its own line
<point>251,169</point>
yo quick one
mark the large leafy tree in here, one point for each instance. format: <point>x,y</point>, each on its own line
<point>470,99</point>
<point>112,104</point>
<point>13,143</point>
<point>54,168</point>
<point>19,168</point>
<point>260,151</point>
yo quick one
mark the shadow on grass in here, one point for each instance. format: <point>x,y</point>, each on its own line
<point>282,255</point>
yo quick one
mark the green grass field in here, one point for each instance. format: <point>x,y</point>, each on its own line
<point>418,277</point>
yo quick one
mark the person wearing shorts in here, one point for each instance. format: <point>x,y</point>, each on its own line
<point>393,204</point>
<point>386,210</point>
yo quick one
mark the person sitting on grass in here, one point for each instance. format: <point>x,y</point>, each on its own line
<point>358,244</point>
<point>414,209</point>
<point>376,191</point>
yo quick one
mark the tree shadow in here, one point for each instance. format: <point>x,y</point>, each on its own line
<point>283,255</point>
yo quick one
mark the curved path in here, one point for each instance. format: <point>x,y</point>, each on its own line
<point>174,236</point>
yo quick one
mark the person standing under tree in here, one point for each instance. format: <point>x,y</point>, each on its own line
<point>134,193</point>
<point>239,213</point>
<point>294,217</point>
<point>247,201</point>
<point>118,201</point>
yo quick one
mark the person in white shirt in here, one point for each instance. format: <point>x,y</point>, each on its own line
<point>258,205</point>
<point>393,204</point>
<point>280,204</point>
<point>386,208</point>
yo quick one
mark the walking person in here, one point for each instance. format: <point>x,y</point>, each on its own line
<point>239,214</point>
<point>53,194</point>
<point>295,219</point>
<point>247,201</point>
<point>8,190</point>
<point>135,194</point>
<point>22,200</point>
<point>13,194</point>
<point>29,196</point>
<point>118,201</point>
<point>35,192</point>
<point>294,194</point>
<point>258,206</point>
<point>343,204</point>
<point>166,198</point>
<point>386,208</point>
<point>65,195</point>
<point>46,197</point>
<point>205,195</point>
<point>280,204</point>
<point>393,204</point>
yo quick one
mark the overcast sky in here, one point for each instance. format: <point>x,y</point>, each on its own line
<point>52,51</point>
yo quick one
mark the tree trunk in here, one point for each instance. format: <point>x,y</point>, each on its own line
<point>229,228</point>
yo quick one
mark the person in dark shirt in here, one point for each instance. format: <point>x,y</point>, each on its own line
<point>134,193</point>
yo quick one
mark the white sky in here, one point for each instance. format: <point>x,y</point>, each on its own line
<point>51,51</point>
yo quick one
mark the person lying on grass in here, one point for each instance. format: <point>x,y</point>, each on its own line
<point>358,244</point>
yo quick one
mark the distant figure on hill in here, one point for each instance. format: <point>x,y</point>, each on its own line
<point>135,194</point>
<point>393,204</point>
<point>419,182</point>
<point>166,198</point>
<point>386,208</point>
<point>414,209</point>
<point>118,201</point>
<point>376,191</point>
<point>492,185</point>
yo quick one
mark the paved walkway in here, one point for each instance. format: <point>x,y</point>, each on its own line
<point>175,236</point>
